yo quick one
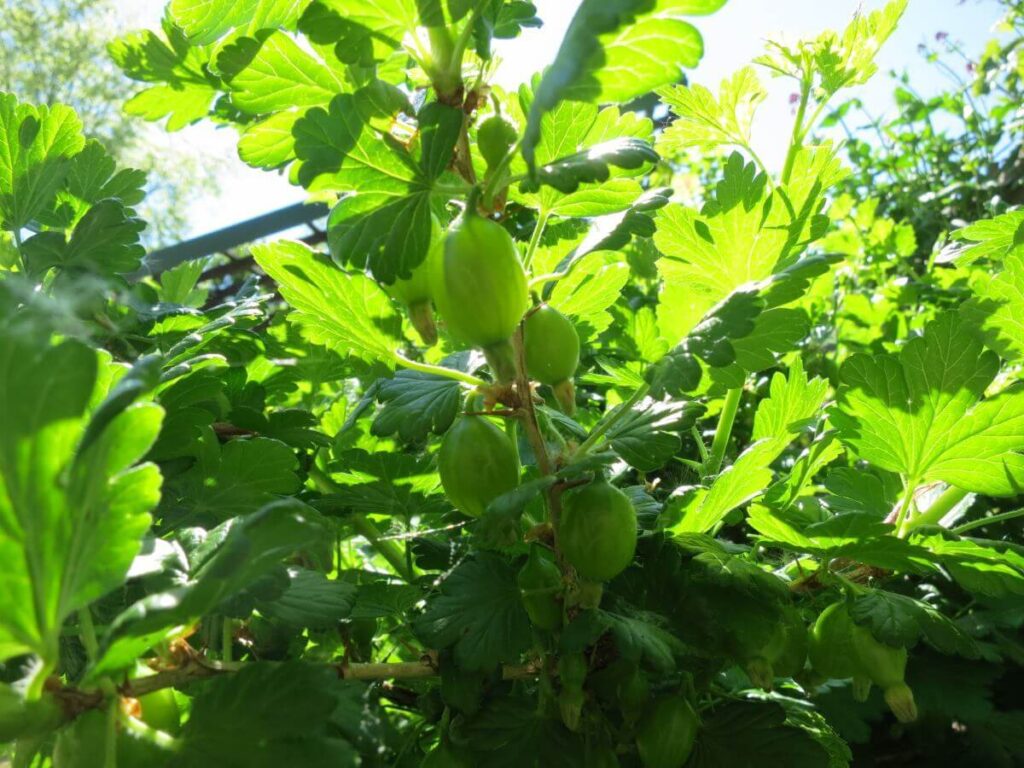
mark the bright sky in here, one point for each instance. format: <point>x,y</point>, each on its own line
<point>732,37</point>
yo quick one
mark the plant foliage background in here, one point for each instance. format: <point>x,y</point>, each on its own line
<point>224,537</point>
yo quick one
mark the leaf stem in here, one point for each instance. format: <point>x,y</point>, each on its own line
<point>796,141</point>
<point>1002,517</point>
<point>538,232</point>
<point>609,421</point>
<point>387,548</point>
<point>938,510</point>
<point>723,431</point>
<point>87,633</point>
<point>439,370</point>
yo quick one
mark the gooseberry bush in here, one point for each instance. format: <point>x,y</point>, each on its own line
<point>587,440</point>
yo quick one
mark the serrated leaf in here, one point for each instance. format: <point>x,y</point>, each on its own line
<point>648,436</point>
<point>920,412</point>
<point>993,239</point>
<point>594,284</point>
<point>265,715</point>
<point>479,613</point>
<point>206,21</point>
<point>311,600</point>
<point>385,219</point>
<point>281,76</point>
<point>416,404</point>
<point>182,90</point>
<point>900,621</point>
<point>36,147</point>
<point>997,309</point>
<point>509,732</point>
<point>234,479</point>
<point>616,52</point>
<point>858,537</point>
<point>793,404</point>
<point>229,559</point>
<point>269,143</point>
<point>73,519</point>
<point>744,234</point>
<point>345,312</point>
<point>591,165</point>
<point>105,241</point>
<point>985,568</point>
<point>706,122</point>
<point>754,733</point>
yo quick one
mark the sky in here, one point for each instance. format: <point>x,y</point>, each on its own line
<point>732,37</point>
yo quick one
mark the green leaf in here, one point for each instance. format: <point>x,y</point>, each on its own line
<point>182,105</point>
<point>509,732</point>
<point>997,308</point>
<point>920,412</point>
<point>648,436</point>
<point>282,75</point>
<point>479,613</point>
<point>73,519</point>
<point>267,715</point>
<point>383,22</point>
<point>383,483</point>
<point>594,283</point>
<point>416,404</point>
<point>610,197</point>
<point>776,331</point>
<point>855,536</point>
<point>744,234</point>
<point>235,478</point>
<point>311,600</point>
<point>105,241</point>
<point>591,165</point>
<point>754,733</point>
<point>701,510</point>
<point>710,340</point>
<point>793,404</point>
<point>184,89</point>
<point>230,558</point>
<point>384,221</point>
<point>705,122</point>
<point>570,132</point>
<point>901,621</point>
<point>988,568</point>
<point>36,147</point>
<point>991,239</point>
<point>206,21</point>
<point>850,60</point>
<point>379,600</point>
<point>269,143</point>
<point>93,176</point>
<point>346,312</point>
<point>615,51</point>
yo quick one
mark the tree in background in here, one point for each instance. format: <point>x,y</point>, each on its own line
<point>55,51</point>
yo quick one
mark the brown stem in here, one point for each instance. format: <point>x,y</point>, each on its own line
<point>528,416</point>
<point>526,409</point>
